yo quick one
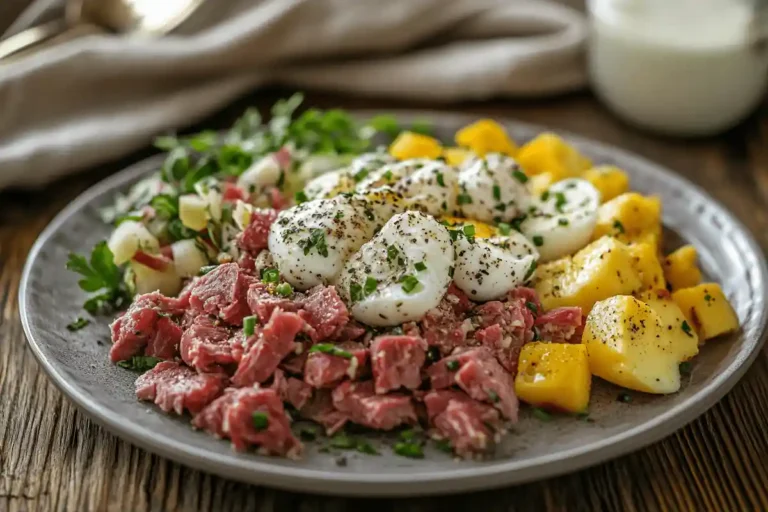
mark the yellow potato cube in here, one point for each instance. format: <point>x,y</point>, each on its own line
<point>486,136</point>
<point>540,183</point>
<point>602,269</point>
<point>680,268</point>
<point>554,376</point>
<point>629,345</point>
<point>609,180</point>
<point>646,263</point>
<point>415,145</point>
<point>683,340</point>
<point>707,309</point>
<point>550,153</point>
<point>456,156</point>
<point>482,230</point>
<point>630,217</point>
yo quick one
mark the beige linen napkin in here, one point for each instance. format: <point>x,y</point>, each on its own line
<point>98,97</point>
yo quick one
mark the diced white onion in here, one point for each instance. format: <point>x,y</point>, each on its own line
<point>129,237</point>
<point>193,212</point>
<point>187,258</point>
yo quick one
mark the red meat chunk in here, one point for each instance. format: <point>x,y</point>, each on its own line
<point>207,344</point>
<point>222,292</point>
<point>248,417</point>
<point>267,348</point>
<point>467,424</point>
<point>174,387</point>
<point>527,295</point>
<point>320,409</point>
<point>255,236</point>
<point>561,325</point>
<point>363,406</point>
<point>325,312</point>
<point>263,303</point>
<point>324,370</point>
<point>292,390</point>
<point>504,327</point>
<point>443,326</point>
<point>351,332</point>
<point>294,363</point>
<point>146,322</point>
<point>397,362</point>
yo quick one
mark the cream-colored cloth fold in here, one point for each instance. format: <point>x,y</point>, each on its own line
<point>95,98</point>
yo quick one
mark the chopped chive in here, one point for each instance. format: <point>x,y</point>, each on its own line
<point>355,292</point>
<point>452,365</point>
<point>139,364</point>
<point>545,195</point>
<point>249,325</point>
<point>619,227</point>
<point>370,285</point>
<point>520,176</point>
<point>392,253</point>
<point>541,414</point>
<point>686,367</point>
<point>260,420</point>
<point>444,445</point>
<point>530,272</point>
<point>331,349</point>
<point>625,398</point>
<point>410,450</point>
<point>409,283</point>
<point>504,228</point>
<point>361,175</point>
<point>284,290</point>
<point>308,433</point>
<point>270,275</point>
<point>451,270</point>
<point>533,307</point>
<point>408,435</point>
<point>493,396</point>
<point>300,197</point>
<point>388,176</point>
<point>560,201</point>
<point>440,180</point>
<point>687,329</point>
<point>339,215</point>
<point>366,447</point>
<point>497,192</point>
<point>421,266</point>
<point>204,270</point>
<point>562,222</point>
<point>464,199</point>
<point>78,324</point>
<point>469,230</point>
<point>707,297</point>
<point>343,442</point>
<point>538,240</point>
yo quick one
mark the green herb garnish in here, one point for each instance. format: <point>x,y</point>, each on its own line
<point>270,275</point>
<point>520,176</point>
<point>562,222</point>
<point>560,201</point>
<point>284,290</point>
<point>618,226</point>
<point>330,349</point>
<point>497,192</point>
<point>538,240</point>
<point>78,324</point>
<point>464,199</point>
<point>452,365</point>
<point>420,266</point>
<point>532,307</point>
<point>315,239</point>
<point>300,197</point>
<point>409,283</point>
<point>249,325</point>
<point>687,329</point>
<point>139,364</point>
<point>260,420</point>
<point>370,285</point>
<point>410,450</point>
<point>440,179</point>
<point>504,228</point>
<point>541,414</point>
<point>206,269</point>
<point>624,398</point>
<point>101,276</point>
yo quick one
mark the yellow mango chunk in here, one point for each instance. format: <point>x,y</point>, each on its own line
<point>482,230</point>
<point>647,265</point>
<point>609,180</point>
<point>554,376</point>
<point>684,342</point>
<point>630,217</point>
<point>456,156</point>
<point>602,269</point>
<point>707,309</point>
<point>680,268</point>
<point>550,153</point>
<point>415,145</point>
<point>486,136</point>
<point>629,344</point>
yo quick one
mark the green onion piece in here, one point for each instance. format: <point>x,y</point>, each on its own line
<point>464,199</point>
<point>204,270</point>
<point>538,240</point>
<point>308,433</point>
<point>270,275</point>
<point>545,195</point>
<point>687,329</point>
<point>624,398</point>
<point>249,325</point>
<point>284,290</point>
<point>410,450</point>
<point>370,285</point>
<point>408,435</point>
<point>560,201</point>
<point>300,197</point>
<point>619,227</point>
<point>78,324</point>
<point>533,307</point>
<point>366,447</point>
<point>469,230</point>
<point>505,229</point>
<point>331,349</point>
<point>421,266</point>
<point>440,179</point>
<point>444,445</point>
<point>260,420</point>
<point>392,253</point>
<point>139,364</point>
<point>343,442</point>
<point>493,396</point>
<point>497,192</point>
<point>520,176</point>
<point>562,222</point>
<point>409,283</point>
<point>452,365</point>
<point>355,292</point>
<point>686,367</point>
<point>530,272</point>
<point>541,414</point>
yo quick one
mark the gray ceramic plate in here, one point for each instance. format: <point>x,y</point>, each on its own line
<point>78,364</point>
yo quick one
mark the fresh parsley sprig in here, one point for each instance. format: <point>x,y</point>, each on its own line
<point>102,277</point>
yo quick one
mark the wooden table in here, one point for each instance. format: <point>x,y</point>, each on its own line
<point>53,457</point>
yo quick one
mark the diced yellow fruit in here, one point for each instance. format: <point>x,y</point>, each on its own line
<point>684,341</point>
<point>482,230</point>
<point>554,376</point>
<point>415,145</point>
<point>486,136</point>
<point>609,180</point>
<point>550,153</point>
<point>602,269</point>
<point>540,183</point>
<point>707,309</point>
<point>193,212</point>
<point>630,217</point>
<point>147,280</point>
<point>680,268</point>
<point>629,345</point>
<point>456,156</point>
<point>645,258</point>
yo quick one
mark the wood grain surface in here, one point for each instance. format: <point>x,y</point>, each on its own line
<point>54,458</point>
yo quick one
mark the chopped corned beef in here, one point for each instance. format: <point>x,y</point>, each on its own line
<point>321,410</point>
<point>247,263</point>
<point>396,362</point>
<point>292,390</point>
<point>262,302</point>
<point>444,326</point>
<point>174,387</point>
<point>351,332</point>
<point>207,343</point>
<point>222,292</point>
<point>504,327</point>
<point>363,406</point>
<point>529,296</point>
<point>561,325</point>
<point>467,424</point>
<point>326,370</point>
<point>267,348</point>
<point>324,311</point>
<point>145,322</point>
<point>251,416</point>
<point>254,237</point>
<point>294,363</point>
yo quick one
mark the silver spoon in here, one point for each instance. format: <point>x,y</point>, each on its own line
<point>139,17</point>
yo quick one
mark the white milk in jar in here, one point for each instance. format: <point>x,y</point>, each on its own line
<point>684,67</point>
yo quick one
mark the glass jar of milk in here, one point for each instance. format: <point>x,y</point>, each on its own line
<point>681,67</point>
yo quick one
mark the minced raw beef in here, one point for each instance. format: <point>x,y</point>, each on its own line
<point>207,344</point>
<point>396,362</point>
<point>363,406</point>
<point>174,387</point>
<point>222,293</point>
<point>444,326</point>
<point>561,325</point>
<point>254,237</point>
<point>325,312</point>
<point>147,324</point>
<point>327,370</point>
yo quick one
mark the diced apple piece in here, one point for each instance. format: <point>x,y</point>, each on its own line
<point>707,309</point>
<point>554,376</point>
<point>193,212</point>
<point>148,280</point>
<point>188,258</point>
<point>129,237</point>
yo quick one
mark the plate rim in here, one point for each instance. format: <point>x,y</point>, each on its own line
<point>259,471</point>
